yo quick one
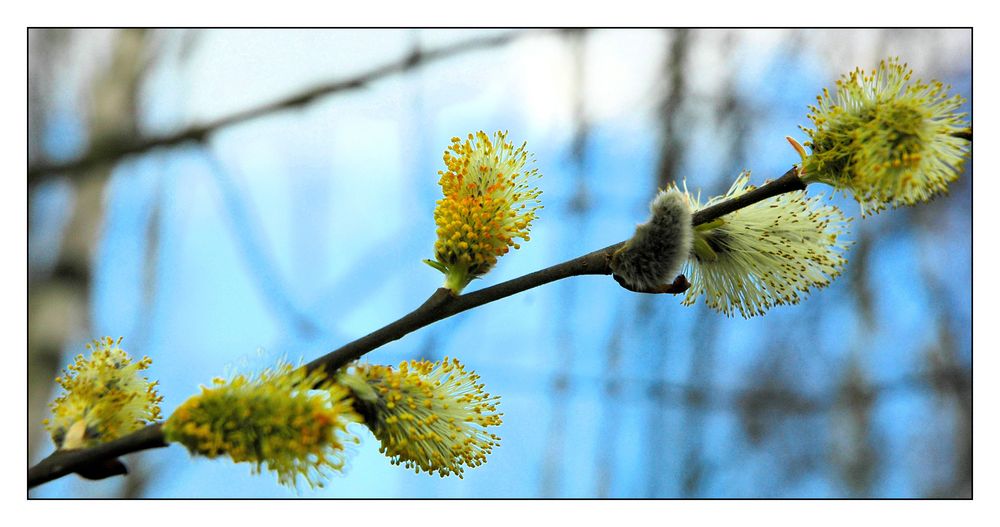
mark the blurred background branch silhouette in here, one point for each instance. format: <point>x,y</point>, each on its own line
<point>302,224</point>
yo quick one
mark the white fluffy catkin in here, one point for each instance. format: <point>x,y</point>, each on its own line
<point>659,247</point>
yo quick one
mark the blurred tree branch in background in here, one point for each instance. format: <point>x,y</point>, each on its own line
<point>578,207</point>
<point>777,410</point>
<point>58,300</point>
<point>109,147</point>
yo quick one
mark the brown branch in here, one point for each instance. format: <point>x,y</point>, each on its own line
<point>441,304</point>
<point>788,182</point>
<point>66,462</point>
<point>119,147</point>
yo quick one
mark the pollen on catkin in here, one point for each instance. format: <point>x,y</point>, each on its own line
<point>104,397</point>
<point>655,253</point>
<point>886,140</point>
<point>286,419</point>
<point>489,202</point>
<point>428,416</point>
<point>765,254</point>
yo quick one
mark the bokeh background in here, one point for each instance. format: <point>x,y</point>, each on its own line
<point>290,207</point>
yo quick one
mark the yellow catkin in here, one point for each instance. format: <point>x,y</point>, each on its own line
<point>104,397</point>
<point>288,420</point>
<point>885,140</point>
<point>766,254</point>
<point>428,416</point>
<point>489,202</point>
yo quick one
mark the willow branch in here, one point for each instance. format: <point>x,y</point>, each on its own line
<point>441,304</point>
<point>788,182</point>
<point>120,147</point>
<point>65,462</point>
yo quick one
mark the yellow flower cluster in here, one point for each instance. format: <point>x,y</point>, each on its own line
<point>428,416</point>
<point>103,398</point>
<point>292,421</point>
<point>886,140</point>
<point>764,254</point>
<point>489,200</point>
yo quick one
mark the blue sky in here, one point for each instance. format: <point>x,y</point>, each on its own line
<point>291,234</point>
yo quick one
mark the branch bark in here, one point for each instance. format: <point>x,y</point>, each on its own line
<point>440,305</point>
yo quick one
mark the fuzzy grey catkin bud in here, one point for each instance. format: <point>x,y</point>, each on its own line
<point>655,253</point>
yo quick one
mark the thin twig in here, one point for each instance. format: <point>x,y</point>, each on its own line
<point>441,304</point>
<point>119,147</point>
<point>788,182</point>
